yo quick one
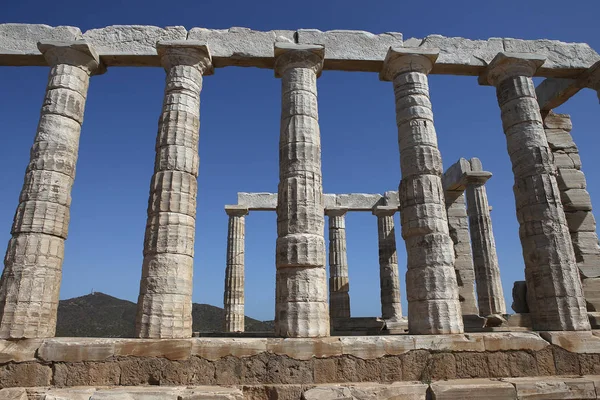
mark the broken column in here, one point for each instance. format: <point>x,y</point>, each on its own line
<point>490,296</point>
<point>165,300</point>
<point>458,227</point>
<point>551,272</point>
<point>30,284</point>
<point>391,307</point>
<point>577,205</point>
<point>301,281</point>
<point>339,298</point>
<point>432,291</point>
<point>233,298</point>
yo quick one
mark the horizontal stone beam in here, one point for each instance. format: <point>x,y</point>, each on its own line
<point>553,92</point>
<point>134,45</point>
<point>351,201</point>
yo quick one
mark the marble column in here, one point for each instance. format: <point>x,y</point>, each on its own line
<point>233,299</point>
<point>490,296</point>
<point>165,300</point>
<point>391,307</point>
<point>30,283</point>
<point>432,290</point>
<point>551,273</point>
<point>458,227</point>
<point>339,299</point>
<point>301,281</point>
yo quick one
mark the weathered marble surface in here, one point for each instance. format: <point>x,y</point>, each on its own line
<point>490,296</point>
<point>349,201</point>
<point>432,290</point>
<point>577,205</point>
<point>30,283</point>
<point>132,45</point>
<point>551,272</point>
<point>301,306</point>
<point>339,285</point>
<point>389,278</point>
<point>165,299</point>
<point>233,297</point>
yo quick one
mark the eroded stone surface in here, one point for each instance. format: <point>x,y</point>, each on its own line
<point>473,389</point>
<point>233,299</point>
<point>301,307</point>
<point>368,391</point>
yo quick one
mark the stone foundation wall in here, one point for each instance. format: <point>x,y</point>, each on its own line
<point>69,362</point>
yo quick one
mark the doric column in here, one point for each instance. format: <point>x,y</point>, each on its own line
<point>233,299</point>
<point>490,296</point>
<point>339,286</point>
<point>30,284</point>
<point>391,307</point>
<point>551,272</point>
<point>165,300</point>
<point>458,227</point>
<point>432,291</point>
<point>301,282</point>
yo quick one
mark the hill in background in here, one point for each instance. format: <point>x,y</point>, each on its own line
<point>101,315</point>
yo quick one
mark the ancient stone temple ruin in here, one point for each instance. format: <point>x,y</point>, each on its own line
<point>456,341</point>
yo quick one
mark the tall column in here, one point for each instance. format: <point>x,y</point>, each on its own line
<point>301,281</point>
<point>233,299</point>
<point>550,268</point>
<point>458,227</point>
<point>391,308</point>
<point>432,291</point>
<point>339,286</point>
<point>164,307</point>
<point>30,283</point>
<point>490,296</point>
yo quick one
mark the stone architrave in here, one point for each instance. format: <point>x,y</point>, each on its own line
<point>551,273</point>
<point>432,290</point>
<point>339,286</point>
<point>458,227</point>
<point>490,296</point>
<point>301,281</point>
<point>165,300</point>
<point>233,298</point>
<point>391,307</point>
<point>30,284</point>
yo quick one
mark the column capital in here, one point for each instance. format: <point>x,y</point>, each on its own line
<point>236,210</point>
<point>507,65</point>
<point>185,52</point>
<point>78,53</point>
<point>476,178</point>
<point>336,211</point>
<point>291,55</point>
<point>384,211</point>
<point>406,59</point>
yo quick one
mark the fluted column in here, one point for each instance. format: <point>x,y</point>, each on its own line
<point>391,307</point>
<point>301,281</point>
<point>30,283</point>
<point>458,227</point>
<point>339,286</point>
<point>432,290</point>
<point>550,268</point>
<point>490,296</point>
<point>165,300</point>
<point>233,299</point>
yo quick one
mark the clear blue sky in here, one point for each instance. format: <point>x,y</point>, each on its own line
<point>240,129</point>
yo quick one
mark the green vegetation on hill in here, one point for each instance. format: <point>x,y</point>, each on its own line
<point>101,315</point>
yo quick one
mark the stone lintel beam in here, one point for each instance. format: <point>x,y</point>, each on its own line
<point>134,45</point>
<point>553,92</point>
<point>236,210</point>
<point>350,201</point>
